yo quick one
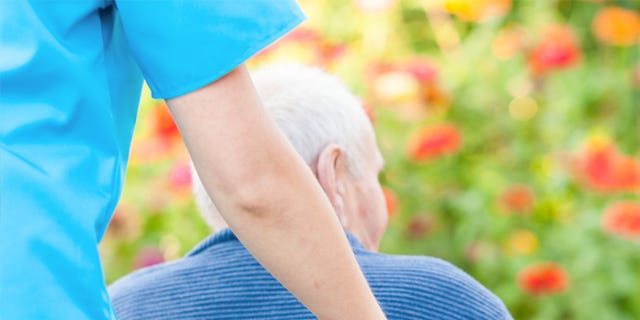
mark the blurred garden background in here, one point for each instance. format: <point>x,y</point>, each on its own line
<point>511,131</point>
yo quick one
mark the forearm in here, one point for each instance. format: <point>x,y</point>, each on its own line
<point>270,198</point>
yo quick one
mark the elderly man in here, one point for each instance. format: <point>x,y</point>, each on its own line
<point>219,279</point>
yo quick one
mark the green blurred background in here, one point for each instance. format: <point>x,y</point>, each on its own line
<point>511,131</point>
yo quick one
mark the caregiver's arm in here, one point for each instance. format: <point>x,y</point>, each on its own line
<point>270,199</point>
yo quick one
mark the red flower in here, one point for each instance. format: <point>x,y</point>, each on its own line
<point>616,26</point>
<point>517,199</point>
<point>391,200</point>
<point>622,219</point>
<point>434,141</point>
<point>163,123</point>
<point>544,278</point>
<point>558,50</point>
<point>601,167</point>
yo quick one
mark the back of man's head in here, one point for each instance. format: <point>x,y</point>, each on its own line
<point>313,109</point>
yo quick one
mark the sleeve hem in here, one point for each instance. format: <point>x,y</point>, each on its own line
<point>217,74</point>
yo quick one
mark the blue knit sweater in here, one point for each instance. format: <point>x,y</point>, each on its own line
<point>219,279</point>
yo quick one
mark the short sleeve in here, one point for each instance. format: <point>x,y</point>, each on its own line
<point>181,46</point>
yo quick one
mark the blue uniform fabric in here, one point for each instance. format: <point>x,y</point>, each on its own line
<point>219,279</point>
<point>71,73</point>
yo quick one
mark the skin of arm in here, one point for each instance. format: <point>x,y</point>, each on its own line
<point>270,199</point>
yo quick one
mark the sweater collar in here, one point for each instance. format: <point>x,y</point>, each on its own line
<point>226,235</point>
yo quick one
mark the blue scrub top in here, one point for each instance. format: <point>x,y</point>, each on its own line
<point>70,79</point>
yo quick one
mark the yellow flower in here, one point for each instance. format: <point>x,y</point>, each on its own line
<point>477,10</point>
<point>521,242</point>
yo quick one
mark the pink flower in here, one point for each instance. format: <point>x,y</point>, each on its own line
<point>558,50</point>
<point>180,176</point>
<point>148,256</point>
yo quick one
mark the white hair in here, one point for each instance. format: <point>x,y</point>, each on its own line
<point>313,109</point>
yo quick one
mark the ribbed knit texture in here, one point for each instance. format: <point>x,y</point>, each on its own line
<point>219,279</point>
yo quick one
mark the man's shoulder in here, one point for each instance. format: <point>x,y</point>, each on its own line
<point>409,266</point>
<point>428,286</point>
<point>145,280</point>
<point>419,272</point>
<point>218,279</point>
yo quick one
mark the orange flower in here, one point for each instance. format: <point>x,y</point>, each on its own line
<point>517,198</point>
<point>544,278</point>
<point>163,122</point>
<point>478,10</point>
<point>616,26</point>
<point>329,52</point>
<point>622,219</point>
<point>558,50</point>
<point>601,167</point>
<point>434,141</point>
<point>627,174</point>
<point>391,200</point>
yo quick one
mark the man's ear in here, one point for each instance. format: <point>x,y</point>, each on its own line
<point>331,173</point>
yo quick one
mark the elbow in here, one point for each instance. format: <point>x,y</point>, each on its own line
<point>256,199</point>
